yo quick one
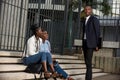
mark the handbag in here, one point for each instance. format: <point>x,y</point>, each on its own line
<point>34,68</point>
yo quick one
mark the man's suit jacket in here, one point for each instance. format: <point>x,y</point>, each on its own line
<point>92,29</point>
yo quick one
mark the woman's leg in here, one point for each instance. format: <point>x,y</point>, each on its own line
<point>59,70</point>
<point>49,60</point>
<point>43,61</point>
<point>33,59</point>
<point>37,58</point>
<point>44,64</point>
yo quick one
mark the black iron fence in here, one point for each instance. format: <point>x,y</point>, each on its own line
<point>17,17</point>
<point>55,16</point>
<point>12,24</point>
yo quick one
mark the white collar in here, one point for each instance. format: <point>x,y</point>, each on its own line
<point>88,17</point>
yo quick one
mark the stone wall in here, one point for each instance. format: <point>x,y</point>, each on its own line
<point>108,64</point>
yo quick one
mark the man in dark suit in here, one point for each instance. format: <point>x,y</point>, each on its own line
<point>91,34</point>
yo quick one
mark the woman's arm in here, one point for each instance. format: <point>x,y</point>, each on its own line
<point>30,47</point>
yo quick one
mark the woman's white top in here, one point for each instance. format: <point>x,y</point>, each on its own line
<point>33,45</point>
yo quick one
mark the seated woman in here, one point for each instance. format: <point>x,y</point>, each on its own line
<point>47,48</point>
<point>33,55</point>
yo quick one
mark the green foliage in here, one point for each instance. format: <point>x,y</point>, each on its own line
<point>105,7</point>
<point>73,4</point>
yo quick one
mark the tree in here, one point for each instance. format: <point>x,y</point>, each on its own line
<point>102,5</point>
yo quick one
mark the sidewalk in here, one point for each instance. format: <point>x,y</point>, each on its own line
<point>108,77</point>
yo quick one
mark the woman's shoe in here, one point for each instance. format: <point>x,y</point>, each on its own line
<point>54,75</point>
<point>69,78</point>
<point>60,76</point>
<point>47,75</point>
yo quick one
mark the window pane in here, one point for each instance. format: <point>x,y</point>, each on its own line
<point>36,1</point>
<point>57,1</point>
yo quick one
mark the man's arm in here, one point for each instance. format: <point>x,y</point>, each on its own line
<point>97,29</point>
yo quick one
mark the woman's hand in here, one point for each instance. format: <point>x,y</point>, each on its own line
<point>54,59</point>
<point>97,49</point>
<point>43,38</point>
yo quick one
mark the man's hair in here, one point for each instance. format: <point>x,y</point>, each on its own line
<point>88,6</point>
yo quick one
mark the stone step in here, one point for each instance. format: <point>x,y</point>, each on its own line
<point>81,71</point>
<point>10,53</point>
<point>73,66</point>
<point>16,76</point>
<point>70,61</point>
<point>9,60</point>
<point>80,56</point>
<point>25,76</point>
<point>110,76</point>
<point>19,54</point>
<point>64,57</point>
<point>17,67</point>
<point>72,71</point>
<point>18,60</point>
<point>11,67</point>
<point>82,77</point>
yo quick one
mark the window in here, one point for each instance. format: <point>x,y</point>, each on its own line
<point>57,2</point>
<point>36,1</point>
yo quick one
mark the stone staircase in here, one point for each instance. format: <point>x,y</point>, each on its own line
<point>11,67</point>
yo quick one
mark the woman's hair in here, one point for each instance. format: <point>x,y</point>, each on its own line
<point>34,28</point>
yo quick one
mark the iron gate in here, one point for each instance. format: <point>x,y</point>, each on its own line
<point>18,15</point>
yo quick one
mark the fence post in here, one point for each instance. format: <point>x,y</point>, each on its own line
<point>18,38</point>
<point>79,19</point>
<point>65,23</point>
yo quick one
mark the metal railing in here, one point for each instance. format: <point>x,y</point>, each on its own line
<point>16,17</point>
